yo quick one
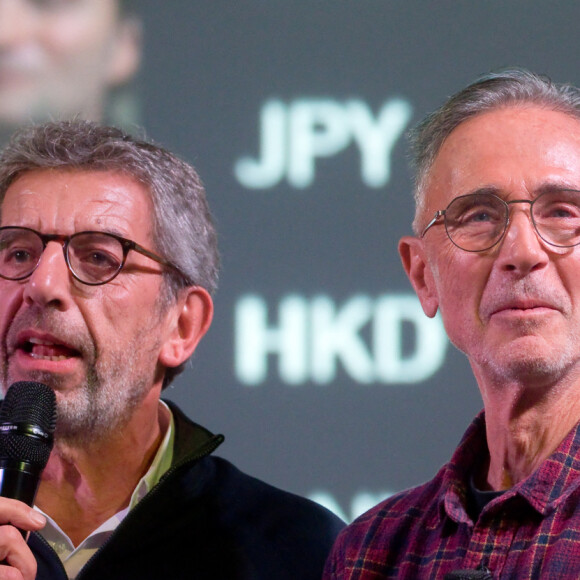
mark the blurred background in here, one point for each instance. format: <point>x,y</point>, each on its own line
<point>320,368</point>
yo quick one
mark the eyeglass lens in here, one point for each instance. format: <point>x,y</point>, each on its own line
<point>478,221</point>
<point>94,258</point>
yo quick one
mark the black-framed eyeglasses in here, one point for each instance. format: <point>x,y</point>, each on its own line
<point>92,257</point>
<point>478,221</point>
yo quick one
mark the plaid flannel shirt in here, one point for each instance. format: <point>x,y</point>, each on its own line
<point>530,531</point>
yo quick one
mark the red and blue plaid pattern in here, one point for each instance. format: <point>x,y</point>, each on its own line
<point>530,531</point>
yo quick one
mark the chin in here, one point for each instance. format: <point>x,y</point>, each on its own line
<point>531,367</point>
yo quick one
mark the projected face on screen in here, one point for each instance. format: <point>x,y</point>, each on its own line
<point>61,57</point>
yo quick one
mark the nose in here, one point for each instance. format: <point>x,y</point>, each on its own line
<point>49,284</point>
<point>521,249</point>
<point>17,22</point>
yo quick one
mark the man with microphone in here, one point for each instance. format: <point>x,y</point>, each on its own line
<point>108,259</point>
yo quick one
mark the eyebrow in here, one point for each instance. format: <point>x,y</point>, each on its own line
<point>485,190</point>
<point>113,231</point>
<point>545,187</point>
<point>106,230</point>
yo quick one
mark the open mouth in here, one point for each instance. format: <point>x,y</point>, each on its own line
<point>45,350</point>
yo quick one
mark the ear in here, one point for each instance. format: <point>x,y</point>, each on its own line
<point>419,272</point>
<point>192,316</point>
<point>126,50</point>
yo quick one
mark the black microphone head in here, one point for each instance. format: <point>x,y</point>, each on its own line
<point>27,423</point>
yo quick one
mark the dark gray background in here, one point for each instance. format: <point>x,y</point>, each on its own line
<point>208,69</point>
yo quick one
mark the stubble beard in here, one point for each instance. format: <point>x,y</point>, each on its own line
<point>526,364</point>
<point>115,384</point>
<point>104,404</point>
<point>526,358</point>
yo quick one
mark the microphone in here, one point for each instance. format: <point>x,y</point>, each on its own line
<point>27,422</point>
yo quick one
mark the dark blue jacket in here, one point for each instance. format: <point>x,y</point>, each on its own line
<point>206,519</point>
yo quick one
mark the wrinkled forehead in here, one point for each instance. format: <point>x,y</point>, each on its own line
<point>67,201</point>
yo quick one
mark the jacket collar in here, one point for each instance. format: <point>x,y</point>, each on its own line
<point>192,441</point>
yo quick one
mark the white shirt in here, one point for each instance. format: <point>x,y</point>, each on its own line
<point>73,558</point>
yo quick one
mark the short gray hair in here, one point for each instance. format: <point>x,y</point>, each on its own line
<point>509,87</point>
<point>183,230</point>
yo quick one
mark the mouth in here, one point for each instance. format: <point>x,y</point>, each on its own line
<point>523,306</point>
<point>520,309</point>
<point>46,349</point>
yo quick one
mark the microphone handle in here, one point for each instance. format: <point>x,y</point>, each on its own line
<point>19,480</point>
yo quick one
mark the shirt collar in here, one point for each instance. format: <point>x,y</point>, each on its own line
<point>554,479</point>
<point>161,462</point>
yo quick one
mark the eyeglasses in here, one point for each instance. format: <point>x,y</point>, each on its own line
<point>478,221</point>
<point>93,258</point>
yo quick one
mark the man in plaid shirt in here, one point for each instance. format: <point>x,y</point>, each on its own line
<point>497,251</point>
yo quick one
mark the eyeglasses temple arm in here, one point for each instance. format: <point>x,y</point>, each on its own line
<point>438,214</point>
<point>135,246</point>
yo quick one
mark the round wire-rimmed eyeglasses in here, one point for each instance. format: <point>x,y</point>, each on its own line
<point>478,221</point>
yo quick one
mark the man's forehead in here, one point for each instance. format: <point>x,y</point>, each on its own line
<point>527,139</point>
<point>510,118</point>
<point>63,179</point>
<point>84,196</point>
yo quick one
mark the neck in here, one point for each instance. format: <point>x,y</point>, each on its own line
<point>524,426</point>
<point>82,487</point>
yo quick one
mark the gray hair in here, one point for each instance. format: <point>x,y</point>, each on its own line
<point>509,87</point>
<point>183,231</point>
